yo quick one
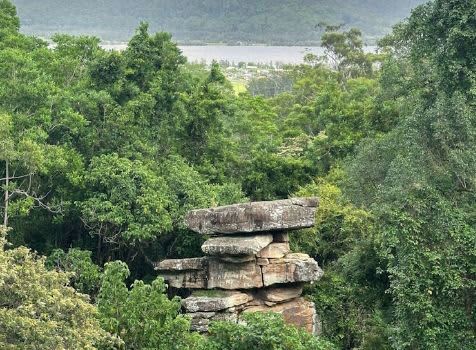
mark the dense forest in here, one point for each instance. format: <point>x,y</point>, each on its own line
<point>102,153</point>
<point>288,22</point>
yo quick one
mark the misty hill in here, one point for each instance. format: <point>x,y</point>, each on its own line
<point>288,22</point>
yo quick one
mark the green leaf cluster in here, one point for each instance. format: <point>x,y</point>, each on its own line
<point>258,330</point>
<point>38,310</point>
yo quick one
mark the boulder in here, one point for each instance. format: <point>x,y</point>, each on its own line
<point>226,275</point>
<point>184,273</point>
<point>274,251</point>
<point>216,301</point>
<point>236,245</point>
<point>279,215</point>
<point>186,279</point>
<point>298,312</point>
<point>281,293</point>
<point>290,256</point>
<point>291,270</point>
<point>249,267</point>
<point>182,264</point>
<point>297,256</point>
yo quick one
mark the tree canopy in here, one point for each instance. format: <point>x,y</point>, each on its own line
<point>102,154</point>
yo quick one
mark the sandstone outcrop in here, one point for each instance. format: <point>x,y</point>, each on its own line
<point>291,270</point>
<point>237,245</point>
<point>280,294</point>
<point>226,275</point>
<point>248,265</point>
<point>280,215</point>
<point>298,312</point>
<point>218,302</point>
<point>274,251</point>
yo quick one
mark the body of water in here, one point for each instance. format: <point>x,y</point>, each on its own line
<point>236,54</point>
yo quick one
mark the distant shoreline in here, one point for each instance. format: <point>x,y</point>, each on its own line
<point>233,55</point>
<point>317,44</point>
<point>47,37</point>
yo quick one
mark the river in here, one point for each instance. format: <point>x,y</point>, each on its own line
<point>236,54</point>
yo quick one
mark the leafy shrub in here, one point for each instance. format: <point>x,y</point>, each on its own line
<point>86,276</point>
<point>262,331</point>
<point>38,310</point>
<point>143,317</point>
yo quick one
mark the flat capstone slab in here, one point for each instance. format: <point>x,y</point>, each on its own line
<point>236,245</point>
<point>281,215</point>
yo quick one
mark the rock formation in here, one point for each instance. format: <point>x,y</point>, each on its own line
<point>249,266</point>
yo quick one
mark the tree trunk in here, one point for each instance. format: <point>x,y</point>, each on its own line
<point>7,194</point>
<point>98,250</point>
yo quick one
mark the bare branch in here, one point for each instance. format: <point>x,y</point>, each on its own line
<point>16,177</point>
<point>39,201</point>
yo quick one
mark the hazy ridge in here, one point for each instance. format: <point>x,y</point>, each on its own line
<point>289,22</point>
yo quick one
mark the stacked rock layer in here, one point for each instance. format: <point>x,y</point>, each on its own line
<point>249,266</point>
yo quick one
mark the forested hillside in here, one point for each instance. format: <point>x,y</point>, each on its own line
<point>288,22</point>
<point>102,153</point>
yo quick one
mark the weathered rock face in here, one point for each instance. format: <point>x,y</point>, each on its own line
<point>249,266</point>
<point>262,261</point>
<point>186,279</point>
<point>298,312</point>
<point>291,270</point>
<point>182,264</point>
<point>274,251</point>
<point>200,321</point>
<point>280,294</point>
<point>280,215</point>
<point>226,275</point>
<point>231,275</point>
<point>237,259</point>
<point>236,245</point>
<point>185,273</point>
<point>222,301</point>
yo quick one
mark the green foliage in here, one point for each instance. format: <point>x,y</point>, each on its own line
<point>38,310</point>
<point>421,189</point>
<point>265,331</point>
<point>86,276</point>
<point>339,224</point>
<point>353,312</point>
<point>143,317</point>
<point>350,298</point>
<point>125,201</point>
<point>8,17</point>
<point>344,52</point>
<point>273,84</point>
<point>107,151</point>
<point>97,145</point>
<point>442,33</point>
